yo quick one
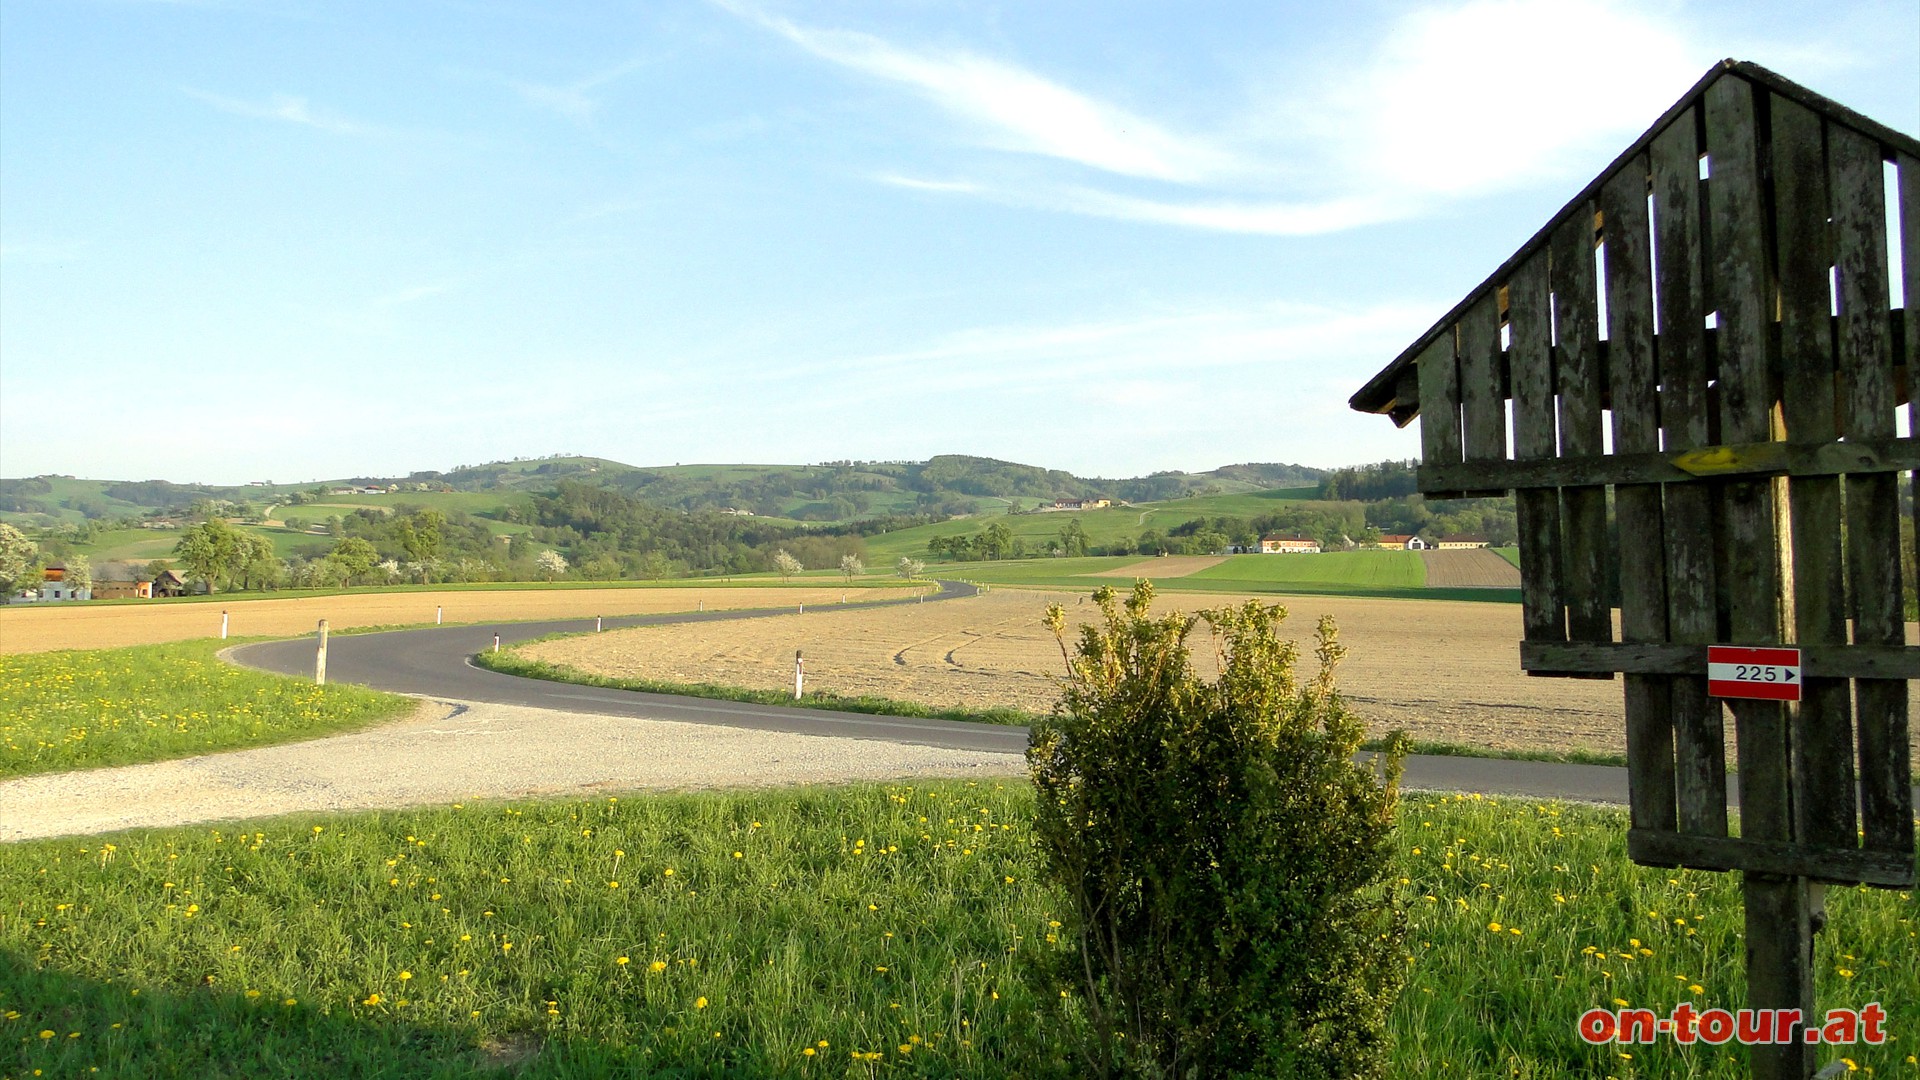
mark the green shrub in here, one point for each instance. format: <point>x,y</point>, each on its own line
<point>1226,859</point>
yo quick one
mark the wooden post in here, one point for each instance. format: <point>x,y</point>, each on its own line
<point>799,675</point>
<point>1779,908</point>
<point>320,658</point>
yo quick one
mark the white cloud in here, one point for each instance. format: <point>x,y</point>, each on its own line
<point>1443,103</point>
<point>1491,95</point>
<point>1010,108</point>
<point>287,109</point>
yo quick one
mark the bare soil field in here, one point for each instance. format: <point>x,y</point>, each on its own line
<point>1171,566</point>
<point>1474,568</point>
<point>1445,671</point>
<point>45,627</point>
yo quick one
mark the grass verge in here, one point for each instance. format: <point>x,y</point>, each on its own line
<point>886,928</point>
<point>78,709</point>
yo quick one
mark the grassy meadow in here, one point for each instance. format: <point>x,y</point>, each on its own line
<point>84,709</point>
<point>1377,574</point>
<point>858,931</point>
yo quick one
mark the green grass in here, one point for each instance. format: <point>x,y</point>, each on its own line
<point>1511,554</point>
<point>888,920</point>
<point>85,708</point>
<point>1366,569</point>
<point>1353,574</point>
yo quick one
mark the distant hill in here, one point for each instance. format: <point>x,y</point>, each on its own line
<point>948,484</point>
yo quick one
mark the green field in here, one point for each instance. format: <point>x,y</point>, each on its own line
<point>1378,574</point>
<point>1511,554</point>
<point>887,929</point>
<point>83,709</point>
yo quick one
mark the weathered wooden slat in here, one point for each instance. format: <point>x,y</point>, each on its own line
<point>1440,402</point>
<point>1535,434</point>
<point>1908,168</point>
<point>1823,728</point>
<point>1576,305</point>
<point>1856,183</point>
<point>1743,293</point>
<point>1633,389</point>
<point>1668,658</point>
<point>1483,404</point>
<point>1844,866</point>
<point>1699,749</point>
<point>1748,459</point>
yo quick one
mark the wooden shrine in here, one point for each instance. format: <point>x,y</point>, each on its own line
<point>1703,347</point>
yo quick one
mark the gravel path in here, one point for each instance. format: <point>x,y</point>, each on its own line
<point>451,751</point>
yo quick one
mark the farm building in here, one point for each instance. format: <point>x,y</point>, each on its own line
<point>1401,542</point>
<point>1461,543</point>
<point>122,590</point>
<point>1288,545</point>
<point>55,587</point>
<point>1082,504</point>
<point>170,583</point>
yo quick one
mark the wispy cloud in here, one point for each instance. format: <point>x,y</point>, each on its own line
<point>288,109</point>
<point>575,100</point>
<point>1445,103</point>
<point>1010,108</point>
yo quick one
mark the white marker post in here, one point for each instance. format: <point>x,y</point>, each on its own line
<point>803,609</point>
<point>496,643</point>
<point>320,658</point>
<point>437,613</point>
<point>703,605</point>
<point>799,675</point>
<point>596,624</point>
<point>223,626</point>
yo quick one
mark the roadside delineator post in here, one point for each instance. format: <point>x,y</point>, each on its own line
<point>320,657</point>
<point>437,612</point>
<point>496,643</point>
<point>799,675</point>
<point>596,624</point>
<point>223,626</point>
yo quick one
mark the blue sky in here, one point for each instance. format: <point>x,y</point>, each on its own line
<point>291,240</point>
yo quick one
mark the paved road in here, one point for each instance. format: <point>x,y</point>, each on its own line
<point>435,663</point>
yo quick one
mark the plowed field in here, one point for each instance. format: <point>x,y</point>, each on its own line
<point>1473,568</point>
<point>1444,670</point>
<point>43,627</point>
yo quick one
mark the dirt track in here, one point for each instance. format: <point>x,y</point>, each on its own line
<point>1474,568</point>
<point>43,627</point>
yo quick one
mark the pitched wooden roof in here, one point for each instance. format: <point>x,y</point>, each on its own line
<point>1382,394</point>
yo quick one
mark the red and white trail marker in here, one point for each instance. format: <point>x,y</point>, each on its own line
<point>1768,674</point>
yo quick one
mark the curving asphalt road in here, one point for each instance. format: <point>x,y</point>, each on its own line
<point>436,663</point>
